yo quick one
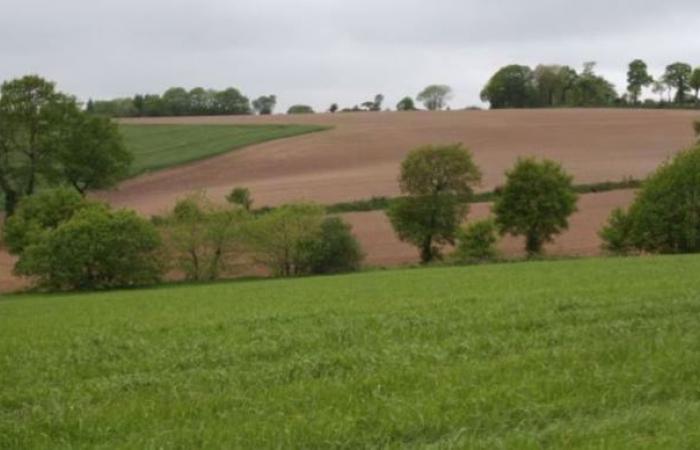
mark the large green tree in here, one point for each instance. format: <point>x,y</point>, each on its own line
<point>678,76</point>
<point>535,202</point>
<point>437,182</point>
<point>637,78</point>
<point>265,104</point>
<point>695,83</point>
<point>511,87</point>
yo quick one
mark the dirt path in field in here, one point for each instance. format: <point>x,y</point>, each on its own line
<point>360,158</point>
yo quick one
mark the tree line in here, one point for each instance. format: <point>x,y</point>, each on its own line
<point>520,86</point>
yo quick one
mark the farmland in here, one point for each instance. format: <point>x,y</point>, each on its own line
<point>530,355</point>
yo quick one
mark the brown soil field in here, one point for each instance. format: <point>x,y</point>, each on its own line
<point>360,158</point>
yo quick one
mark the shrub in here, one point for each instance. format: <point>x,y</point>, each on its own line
<point>665,215</point>
<point>240,196</point>
<point>38,214</point>
<point>335,250</point>
<point>616,234</point>
<point>300,109</point>
<point>535,202</point>
<point>275,236</point>
<point>477,242</point>
<point>95,249</point>
<point>204,240</point>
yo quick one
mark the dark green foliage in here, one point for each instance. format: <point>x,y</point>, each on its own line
<point>264,105</point>
<point>617,233</point>
<point>535,202</point>
<point>406,104</point>
<point>435,96</point>
<point>300,109</point>
<point>678,76</point>
<point>39,214</point>
<point>92,154</point>
<point>95,249</point>
<point>333,108</point>
<point>665,216</point>
<point>477,242</point>
<point>437,181</point>
<point>637,78</point>
<point>695,83</point>
<point>334,250</point>
<point>240,196</point>
<point>510,87</point>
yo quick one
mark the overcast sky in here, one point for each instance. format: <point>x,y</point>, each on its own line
<point>323,51</point>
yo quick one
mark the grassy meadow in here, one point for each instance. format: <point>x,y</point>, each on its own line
<point>599,353</point>
<point>161,146</point>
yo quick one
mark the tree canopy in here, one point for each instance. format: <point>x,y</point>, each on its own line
<point>435,96</point>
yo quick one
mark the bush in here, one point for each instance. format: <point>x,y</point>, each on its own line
<point>38,214</point>
<point>240,196</point>
<point>202,239</point>
<point>616,235</point>
<point>535,202</point>
<point>300,109</point>
<point>477,242</point>
<point>335,250</point>
<point>665,215</point>
<point>95,249</point>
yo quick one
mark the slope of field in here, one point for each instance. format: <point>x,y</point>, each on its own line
<point>576,354</point>
<point>160,146</point>
<point>360,156</point>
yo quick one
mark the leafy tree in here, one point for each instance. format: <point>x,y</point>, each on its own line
<point>637,78</point>
<point>204,240</point>
<point>176,101</point>
<point>511,87</point>
<point>333,108</point>
<point>477,242</point>
<point>535,202</point>
<point>406,104</point>
<point>659,87</point>
<point>32,115</point>
<point>276,237</point>
<point>435,96</point>
<point>264,105</point>
<point>201,101</point>
<point>300,109</point>
<point>92,154</point>
<point>695,83</point>
<point>553,84</point>
<point>377,103</point>
<point>592,89</point>
<point>438,182</point>
<point>95,249</point>
<point>678,76</point>
<point>240,196</point>
<point>665,215</point>
<point>231,101</point>
<point>334,250</point>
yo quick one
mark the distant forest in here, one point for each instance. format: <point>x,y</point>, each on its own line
<point>513,86</point>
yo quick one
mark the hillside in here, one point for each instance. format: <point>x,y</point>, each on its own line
<point>530,355</point>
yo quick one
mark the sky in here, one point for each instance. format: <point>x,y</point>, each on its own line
<point>318,52</point>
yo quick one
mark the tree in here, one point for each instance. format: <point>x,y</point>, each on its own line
<point>176,101</point>
<point>300,109</point>
<point>694,83</point>
<point>665,215</point>
<point>477,242</point>
<point>511,87</point>
<point>435,96</point>
<point>377,103</point>
<point>240,196</point>
<point>592,89</point>
<point>201,101</point>
<point>406,104</point>
<point>535,202</point>
<point>334,250</point>
<point>264,105</point>
<point>275,237</point>
<point>553,84</point>
<point>203,239</point>
<point>659,87</point>
<point>333,108</point>
<point>95,249</point>
<point>231,101</point>
<point>92,154</point>
<point>678,76</point>
<point>32,115</point>
<point>438,182</point>
<point>637,78</point>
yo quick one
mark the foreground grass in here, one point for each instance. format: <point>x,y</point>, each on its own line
<point>160,146</point>
<point>574,354</point>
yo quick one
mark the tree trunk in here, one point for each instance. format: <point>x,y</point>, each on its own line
<point>533,245</point>
<point>426,250</point>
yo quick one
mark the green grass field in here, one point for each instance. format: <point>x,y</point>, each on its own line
<point>599,353</point>
<point>160,146</point>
